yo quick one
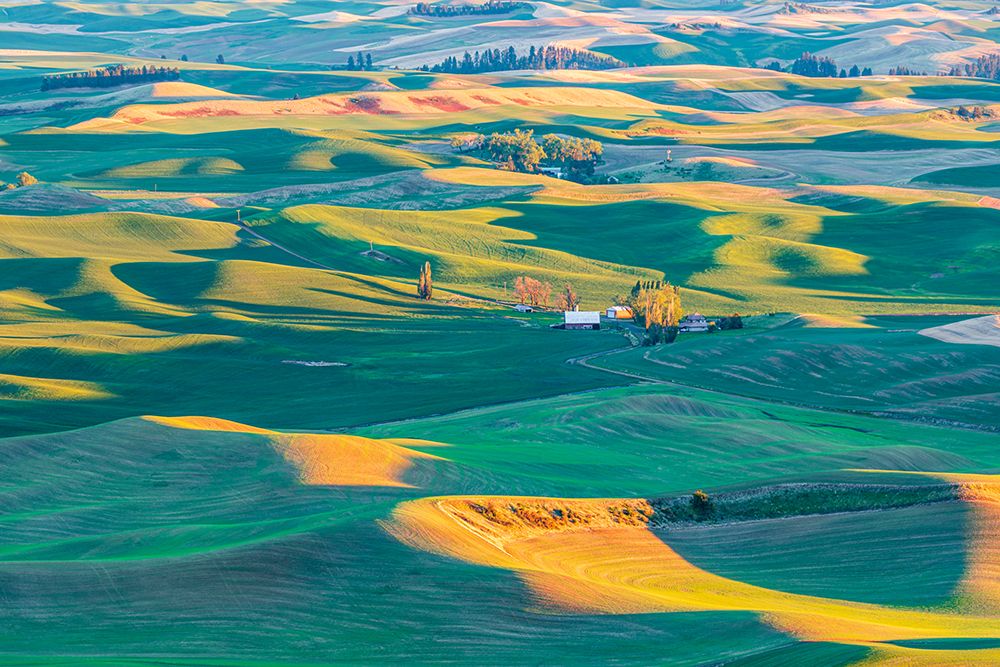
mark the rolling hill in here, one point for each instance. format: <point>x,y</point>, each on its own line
<point>234,432</point>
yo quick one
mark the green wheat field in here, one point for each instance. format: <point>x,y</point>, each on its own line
<point>285,373</point>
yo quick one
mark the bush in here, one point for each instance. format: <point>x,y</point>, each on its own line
<point>25,179</point>
<point>701,504</point>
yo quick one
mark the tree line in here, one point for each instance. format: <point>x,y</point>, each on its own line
<point>818,66</point>
<point>112,75</point>
<point>519,151</point>
<point>528,290</point>
<point>543,57</point>
<point>489,7</point>
<point>902,70</point>
<point>983,67</point>
<point>532,291</point>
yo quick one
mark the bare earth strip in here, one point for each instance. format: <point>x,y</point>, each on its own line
<point>977,331</point>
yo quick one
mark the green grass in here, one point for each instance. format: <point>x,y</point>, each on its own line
<point>128,542</point>
<point>888,369</point>
<point>191,527</point>
<point>870,565</point>
<point>987,176</point>
<point>653,441</point>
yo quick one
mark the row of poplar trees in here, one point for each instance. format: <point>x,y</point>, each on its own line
<point>658,306</point>
<point>425,284</point>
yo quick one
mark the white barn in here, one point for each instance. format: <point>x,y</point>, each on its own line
<point>582,319</point>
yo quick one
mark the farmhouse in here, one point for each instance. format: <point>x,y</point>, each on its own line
<point>524,308</point>
<point>582,319</point>
<point>619,313</point>
<point>554,172</point>
<point>693,323</point>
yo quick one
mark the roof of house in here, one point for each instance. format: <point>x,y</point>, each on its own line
<point>582,317</point>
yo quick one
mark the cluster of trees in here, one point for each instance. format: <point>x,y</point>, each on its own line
<point>425,284</point>
<point>112,75</point>
<point>543,57</point>
<point>983,67</point>
<point>23,179</point>
<point>810,65</point>
<point>901,70</point>
<point>489,7</point>
<point>733,321</point>
<point>975,113</point>
<point>361,63</point>
<point>802,8</point>
<point>576,156</point>
<point>515,151</point>
<point>534,292</point>
<point>657,305</point>
<point>519,151</point>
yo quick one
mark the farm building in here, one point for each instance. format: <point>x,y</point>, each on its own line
<point>620,313</point>
<point>524,308</point>
<point>554,172</point>
<point>693,323</point>
<point>582,319</point>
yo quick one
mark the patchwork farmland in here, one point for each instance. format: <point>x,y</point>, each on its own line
<point>291,368</point>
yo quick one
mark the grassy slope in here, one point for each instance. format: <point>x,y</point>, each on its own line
<point>137,539</point>
<point>113,300</point>
<point>976,177</point>
<point>885,367</point>
<point>212,528</point>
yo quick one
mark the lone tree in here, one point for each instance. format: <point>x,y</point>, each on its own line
<point>425,285</point>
